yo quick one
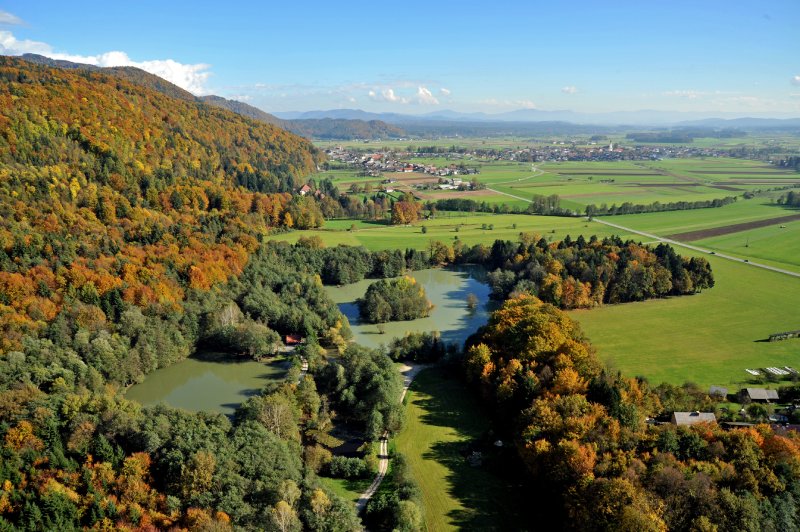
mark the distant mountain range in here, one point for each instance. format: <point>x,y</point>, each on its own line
<point>620,118</point>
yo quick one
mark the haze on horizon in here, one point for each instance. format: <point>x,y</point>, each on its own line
<point>710,58</point>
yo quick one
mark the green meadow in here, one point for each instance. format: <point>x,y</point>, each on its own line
<point>443,418</point>
<point>777,245</point>
<point>448,227</point>
<point>673,222</point>
<point>708,338</point>
<point>582,183</point>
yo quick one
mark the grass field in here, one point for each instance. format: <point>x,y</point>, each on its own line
<point>778,244</point>
<point>642,182</point>
<point>773,245</point>
<point>672,222</point>
<point>349,490</point>
<point>581,183</point>
<point>380,236</point>
<point>443,417</point>
<point>708,338</point>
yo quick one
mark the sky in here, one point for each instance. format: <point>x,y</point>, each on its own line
<point>415,57</point>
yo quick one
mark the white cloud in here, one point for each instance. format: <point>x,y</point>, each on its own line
<point>445,92</point>
<point>525,104</point>
<point>10,45</point>
<point>386,95</point>
<point>569,89</point>
<point>796,80</point>
<point>190,77</point>
<point>8,18</point>
<point>425,97</point>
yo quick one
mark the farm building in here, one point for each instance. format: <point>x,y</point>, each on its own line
<point>718,391</point>
<point>760,394</point>
<point>691,418</point>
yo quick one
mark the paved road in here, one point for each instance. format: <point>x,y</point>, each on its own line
<point>408,372</point>
<point>697,248</point>
<point>537,172</point>
<point>509,195</point>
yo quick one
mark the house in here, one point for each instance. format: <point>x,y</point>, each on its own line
<point>305,189</point>
<point>759,394</point>
<point>718,391</point>
<point>408,168</point>
<point>692,418</point>
<point>731,425</point>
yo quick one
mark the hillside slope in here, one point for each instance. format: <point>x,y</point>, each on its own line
<point>344,129</point>
<point>110,191</point>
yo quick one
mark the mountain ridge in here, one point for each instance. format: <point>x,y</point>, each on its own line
<point>640,118</point>
<point>325,129</point>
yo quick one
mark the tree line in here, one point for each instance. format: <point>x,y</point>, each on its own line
<point>595,463</point>
<point>656,206</point>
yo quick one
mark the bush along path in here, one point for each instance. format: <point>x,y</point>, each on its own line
<point>408,372</point>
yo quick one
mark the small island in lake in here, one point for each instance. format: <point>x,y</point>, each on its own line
<point>394,300</point>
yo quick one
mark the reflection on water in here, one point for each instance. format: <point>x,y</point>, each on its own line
<point>206,381</point>
<point>447,289</point>
<point>215,382</point>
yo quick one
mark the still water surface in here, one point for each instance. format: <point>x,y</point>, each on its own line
<point>214,382</point>
<point>206,381</point>
<point>447,289</point>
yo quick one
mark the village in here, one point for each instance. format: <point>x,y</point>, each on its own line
<point>392,160</point>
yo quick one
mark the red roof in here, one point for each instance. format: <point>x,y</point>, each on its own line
<point>292,339</point>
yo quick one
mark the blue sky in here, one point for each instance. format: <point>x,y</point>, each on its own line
<point>418,57</point>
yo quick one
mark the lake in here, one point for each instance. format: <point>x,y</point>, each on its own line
<point>206,381</point>
<point>215,382</point>
<point>446,288</point>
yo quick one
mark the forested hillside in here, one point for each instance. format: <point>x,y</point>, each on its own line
<point>113,192</point>
<point>317,128</point>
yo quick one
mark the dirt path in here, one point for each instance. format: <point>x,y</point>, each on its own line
<point>408,372</point>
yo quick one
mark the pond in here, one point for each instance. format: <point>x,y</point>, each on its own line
<point>216,382</point>
<point>206,381</point>
<point>446,288</point>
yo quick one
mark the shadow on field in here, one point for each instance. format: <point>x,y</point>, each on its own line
<point>490,497</point>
